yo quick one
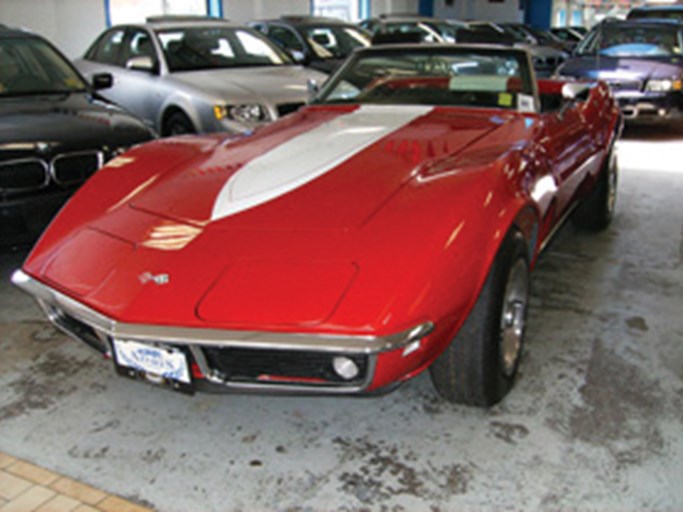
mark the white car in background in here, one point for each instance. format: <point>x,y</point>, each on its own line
<point>190,74</point>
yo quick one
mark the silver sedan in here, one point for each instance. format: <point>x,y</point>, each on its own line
<point>199,75</point>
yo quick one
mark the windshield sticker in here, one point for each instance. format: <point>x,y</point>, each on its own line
<point>525,103</point>
<point>505,99</point>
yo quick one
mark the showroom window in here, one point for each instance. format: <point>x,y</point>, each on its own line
<point>135,11</point>
<point>349,10</point>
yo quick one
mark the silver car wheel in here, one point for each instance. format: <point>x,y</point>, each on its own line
<point>513,316</point>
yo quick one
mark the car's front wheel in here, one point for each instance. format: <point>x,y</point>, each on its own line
<point>178,124</point>
<point>480,365</point>
<point>597,210</point>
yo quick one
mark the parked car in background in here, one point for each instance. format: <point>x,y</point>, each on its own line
<point>313,41</point>
<point>641,60</point>
<point>570,36</point>
<point>426,29</point>
<point>386,229</point>
<point>671,12</point>
<point>55,132</point>
<point>536,36</point>
<point>184,75</point>
<point>545,58</point>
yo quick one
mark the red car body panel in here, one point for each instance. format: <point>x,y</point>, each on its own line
<point>401,233</point>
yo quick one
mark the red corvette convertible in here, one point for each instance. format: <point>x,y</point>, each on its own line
<point>387,228</point>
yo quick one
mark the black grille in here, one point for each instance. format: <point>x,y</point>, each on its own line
<point>23,175</point>
<point>287,108</point>
<point>74,168</point>
<point>237,364</point>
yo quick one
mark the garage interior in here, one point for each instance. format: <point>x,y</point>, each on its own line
<point>595,421</point>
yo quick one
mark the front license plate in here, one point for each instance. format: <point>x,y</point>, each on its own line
<point>158,365</point>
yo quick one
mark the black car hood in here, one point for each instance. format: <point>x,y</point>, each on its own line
<point>615,68</point>
<point>61,122</point>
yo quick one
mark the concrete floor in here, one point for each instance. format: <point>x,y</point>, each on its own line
<point>595,421</point>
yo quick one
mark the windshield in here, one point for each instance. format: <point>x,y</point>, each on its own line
<point>517,32</point>
<point>451,77</point>
<point>29,65</point>
<point>335,42</point>
<point>632,41</point>
<point>427,34</point>
<point>195,48</point>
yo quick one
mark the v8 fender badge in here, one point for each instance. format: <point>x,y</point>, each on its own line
<point>158,279</point>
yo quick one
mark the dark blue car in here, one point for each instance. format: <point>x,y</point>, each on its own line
<point>642,61</point>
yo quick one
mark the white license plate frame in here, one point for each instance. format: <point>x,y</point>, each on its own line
<point>158,364</point>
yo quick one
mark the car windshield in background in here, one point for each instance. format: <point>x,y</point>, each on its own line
<point>427,33</point>
<point>633,41</point>
<point>335,42</point>
<point>494,79</point>
<point>196,48</point>
<point>31,66</point>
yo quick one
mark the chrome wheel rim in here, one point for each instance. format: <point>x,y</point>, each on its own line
<point>513,317</point>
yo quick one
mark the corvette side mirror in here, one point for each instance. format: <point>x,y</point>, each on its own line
<point>575,91</point>
<point>572,92</point>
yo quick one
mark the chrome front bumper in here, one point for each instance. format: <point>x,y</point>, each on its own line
<point>97,330</point>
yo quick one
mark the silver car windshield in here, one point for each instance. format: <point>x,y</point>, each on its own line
<point>196,48</point>
<point>335,42</point>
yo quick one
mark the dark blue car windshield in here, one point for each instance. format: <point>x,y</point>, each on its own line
<point>632,41</point>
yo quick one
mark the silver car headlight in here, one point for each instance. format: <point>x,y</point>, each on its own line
<point>244,113</point>
<point>663,85</point>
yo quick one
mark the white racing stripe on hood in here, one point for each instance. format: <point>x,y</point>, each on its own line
<point>310,155</point>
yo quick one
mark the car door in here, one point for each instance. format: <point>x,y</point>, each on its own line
<point>131,88</point>
<point>140,89</point>
<point>104,57</point>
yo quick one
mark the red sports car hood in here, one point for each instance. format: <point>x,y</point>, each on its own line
<point>330,169</point>
<point>280,229</point>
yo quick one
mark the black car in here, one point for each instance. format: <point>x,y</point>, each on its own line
<point>426,29</point>
<point>642,61</point>
<point>54,133</point>
<point>660,12</point>
<point>314,41</point>
<point>569,35</point>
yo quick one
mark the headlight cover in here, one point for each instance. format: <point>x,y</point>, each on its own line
<point>243,113</point>
<point>664,85</point>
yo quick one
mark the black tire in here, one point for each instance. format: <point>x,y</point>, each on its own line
<point>178,124</point>
<point>480,365</point>
<point>597,210</point>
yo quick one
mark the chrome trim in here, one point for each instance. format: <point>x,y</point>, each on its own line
<point>53,172</point>
<point>355,344</point>
<point>46,174</point>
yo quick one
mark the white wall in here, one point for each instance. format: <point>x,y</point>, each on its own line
<point>378,7</point>
<point>241,11</point>
<point>245,10</point>
<point>70,24</point>
<point>479,10</point>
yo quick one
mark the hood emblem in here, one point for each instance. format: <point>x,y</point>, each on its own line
<point>158,279</point>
